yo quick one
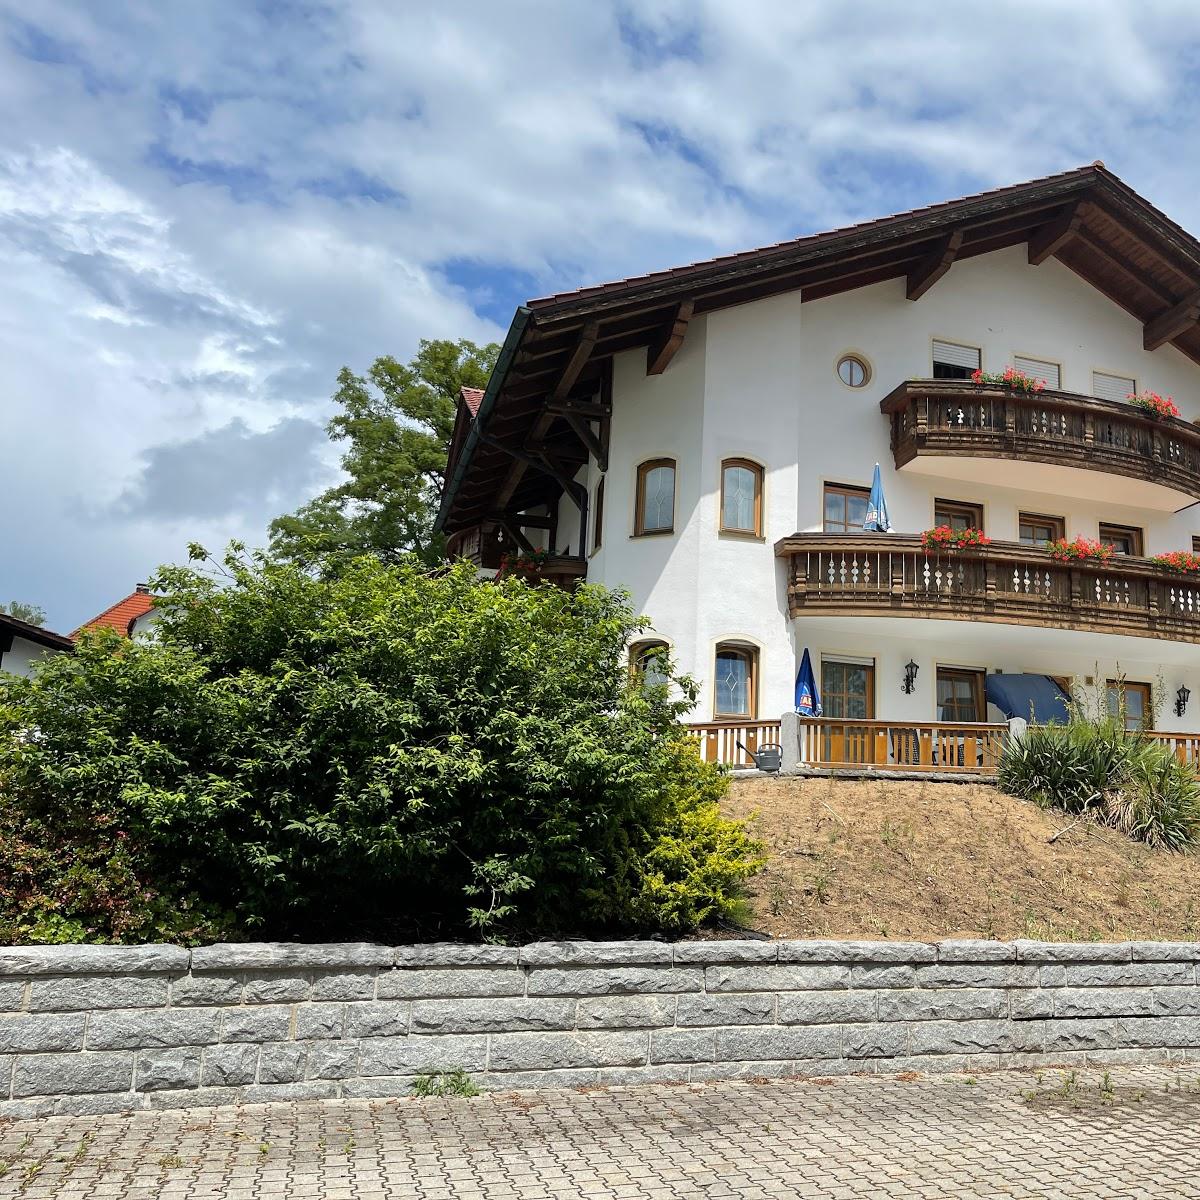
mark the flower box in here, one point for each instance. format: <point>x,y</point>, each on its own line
<point>522,563</point>
<point>943,537</point>
<point>1183,561</point>
<point>1081,548</point>
<point>1011,378</point>
<point>1153,404</point>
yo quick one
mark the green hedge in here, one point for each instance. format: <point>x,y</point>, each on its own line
<point>390,753</point>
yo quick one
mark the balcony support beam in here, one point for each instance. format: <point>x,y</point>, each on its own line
<point>934,265</point>
<point>1176,320</point>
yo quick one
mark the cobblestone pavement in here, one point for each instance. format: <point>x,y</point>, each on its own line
<point>1017,1133</point>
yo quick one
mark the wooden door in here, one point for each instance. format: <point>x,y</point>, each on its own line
<point>848,692</point>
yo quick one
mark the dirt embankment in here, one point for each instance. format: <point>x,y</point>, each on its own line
<point>880,859</point>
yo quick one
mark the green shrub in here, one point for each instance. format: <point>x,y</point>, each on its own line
<point>1116,776</point>
<point>390,753</point>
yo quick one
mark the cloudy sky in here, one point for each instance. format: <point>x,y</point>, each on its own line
<point>207,208</point>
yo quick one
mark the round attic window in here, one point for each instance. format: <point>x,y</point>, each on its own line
<point>852,371</point>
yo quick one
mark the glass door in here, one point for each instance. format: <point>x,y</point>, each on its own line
<point>848,692</point>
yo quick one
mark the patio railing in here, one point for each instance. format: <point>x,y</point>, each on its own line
<point>902,745</point>
<point>718,740</point>
<point>832,743</point>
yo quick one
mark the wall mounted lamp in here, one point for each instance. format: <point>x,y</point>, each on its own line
<point>910,676</point>
<point>1181,699</point>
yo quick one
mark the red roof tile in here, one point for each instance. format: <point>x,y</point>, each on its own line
<point>121,615</point>
<point>472,398</point>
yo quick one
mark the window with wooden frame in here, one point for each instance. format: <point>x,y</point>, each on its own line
<point>1124,539</point>
<point>1195,544</point>
<point>958,514</point>
<point>648,661</point>
<point>960,695</point>
<point>741,497</point>
<point>1036,528</point>
<point>954,361</point>
<point>655,508</point>
<point>735,681</point>
<point>1132,703</point>
<point>598,517</point>
<point>845,508</point>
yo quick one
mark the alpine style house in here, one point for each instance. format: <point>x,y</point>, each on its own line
<point>705,437</point>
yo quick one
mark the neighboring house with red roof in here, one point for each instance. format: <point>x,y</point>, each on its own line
<point>132,615</point>
<point>22,645</point>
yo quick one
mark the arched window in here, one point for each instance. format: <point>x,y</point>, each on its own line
<point>741,497</point>
<point>655,512</point>
<point>648,660</point>
<point>735,682</point>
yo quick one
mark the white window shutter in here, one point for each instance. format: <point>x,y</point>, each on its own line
<point>954,355</point>
<point>1040,369</point>
<point>1112,387</point>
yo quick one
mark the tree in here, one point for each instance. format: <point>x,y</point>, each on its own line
<point>381,751</point>
<point>397,422</point>
<point>31,614</point>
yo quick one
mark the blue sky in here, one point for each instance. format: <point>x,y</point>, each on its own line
<point>207,209</point>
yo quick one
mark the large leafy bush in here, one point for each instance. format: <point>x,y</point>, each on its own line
<point>389,752</point>
<point>1095,766</point>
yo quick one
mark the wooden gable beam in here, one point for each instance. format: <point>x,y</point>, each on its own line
<point>575,363</point>
<point>1176,320</point>
<point>1135,274</point>
<point>934,265</point>
<point>1048,239</point>
<point>579,355</point>
<point>583,431</point>
<point>662,349</point>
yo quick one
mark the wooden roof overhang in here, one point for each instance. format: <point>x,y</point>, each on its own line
<point>554,372</point>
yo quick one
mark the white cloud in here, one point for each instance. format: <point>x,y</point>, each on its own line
<point>206,210</point>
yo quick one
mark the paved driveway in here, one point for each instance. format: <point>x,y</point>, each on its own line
<point>1134,1134</point>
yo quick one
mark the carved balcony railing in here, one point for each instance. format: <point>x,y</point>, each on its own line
<point>978,420</point>
<point>870,574</point>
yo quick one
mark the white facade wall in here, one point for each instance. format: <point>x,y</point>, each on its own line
<point>23,657</point>
<point>759,381</point>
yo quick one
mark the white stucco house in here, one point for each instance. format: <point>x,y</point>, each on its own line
<point>705,437</point>
<point>23,645</point>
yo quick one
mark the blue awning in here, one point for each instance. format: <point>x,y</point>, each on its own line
<point>1023,695</point>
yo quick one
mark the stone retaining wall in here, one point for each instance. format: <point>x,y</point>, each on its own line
<point>87,1029</point>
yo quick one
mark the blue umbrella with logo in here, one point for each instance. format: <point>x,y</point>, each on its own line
<point>876,519</point>
<point>808,699</point>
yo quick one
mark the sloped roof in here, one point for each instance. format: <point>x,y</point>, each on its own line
<point>472,398</point>
<point>121,615</point>
<point>1118,242</point>
<point>33,633</point>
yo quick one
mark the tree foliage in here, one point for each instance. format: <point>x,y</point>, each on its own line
<point>396,424</point>
<point>31,614</point>
<point>387,752</point>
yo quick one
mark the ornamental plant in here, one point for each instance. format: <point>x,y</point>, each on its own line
<point>1062,550</point>
<point>1011,378</point>
<point>375,751</point>
<point>523,561</point>
<point>943,537</point>
<point>1154,404</point>
<point>1184,561</point>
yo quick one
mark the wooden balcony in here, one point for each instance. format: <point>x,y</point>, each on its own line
<point>920,747</point>
<point>1064,443</point>
<point>718,741</point>
<point>881,574</point>
<point>562,570</point>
